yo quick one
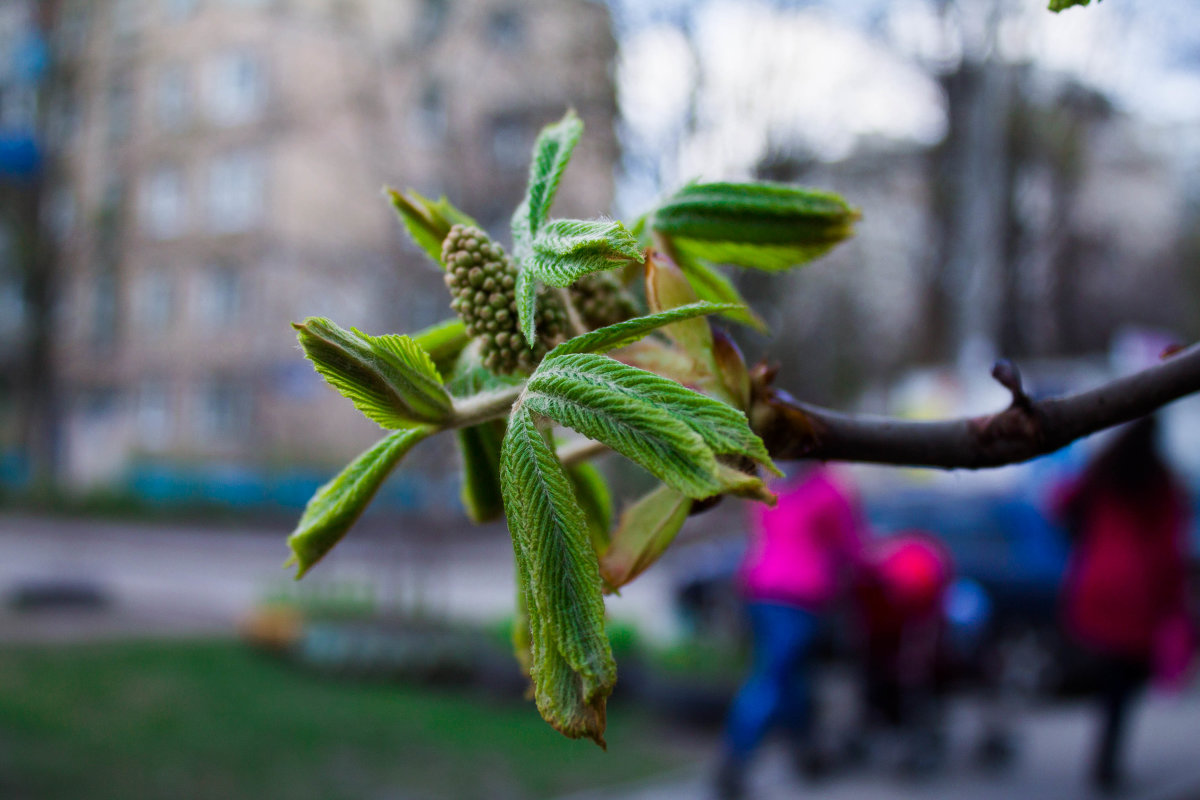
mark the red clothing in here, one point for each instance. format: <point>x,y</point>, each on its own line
<point>801,549</point>
<point>905,579</point>
<point>1127,575</point>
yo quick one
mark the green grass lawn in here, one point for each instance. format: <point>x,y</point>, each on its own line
<point>215,720</point>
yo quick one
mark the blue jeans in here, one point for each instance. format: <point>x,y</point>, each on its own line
<point>777,692</point>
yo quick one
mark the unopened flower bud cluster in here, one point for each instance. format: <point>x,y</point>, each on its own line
<point>482,280</point>
<point>602,300</point>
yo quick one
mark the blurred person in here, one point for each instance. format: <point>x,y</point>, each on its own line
<point>901,598</point>
<point>1125,591</point>
<point>973,655</point>
<point>801,556</point>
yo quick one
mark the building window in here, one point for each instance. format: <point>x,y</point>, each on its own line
<point>59,213</point>
<point>73,27</point>
<point>63,123</point>
<point>235,191</point>
<point>171,100</point>
<point>432,21</point>
<point>236,88</point>
<point>429,116</point>
<point>18,107</point>
<point>110,219</point>
<point>506,29</point>
<point>179,10</point>
<point>119,108</point>
<point>225,409</point>
<point>154,419</point>
<point>104,311</point>
<point>12,308</point>
<point>164,203</point>
<point>155,301</point>
<point>219,297</point>
<point>12,302</point>
<point>512,140</point>
<point>125,18</point>
<point>100,403</point>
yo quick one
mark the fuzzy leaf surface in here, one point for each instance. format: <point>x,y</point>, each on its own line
<point>337,504</point>
<point>471,377</point>
<point>480,448</point>
<point>572,666</point>
<point>625,333</point>
<point>390,379</point>
<point>760,225</point>
<point>667,288</point>
<point>591,491</point>
<point>722,427</point>
<point>443,342</point>
<point>671,431</point>
<point>565,250</point>
<point>426,221</point>
<point>765,257</point>
<point>643,534</point>
<point>551,153</point>
<point>526,290</point>
<point>711,285</point>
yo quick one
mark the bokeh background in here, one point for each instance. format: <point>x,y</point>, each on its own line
<point>181,179</point>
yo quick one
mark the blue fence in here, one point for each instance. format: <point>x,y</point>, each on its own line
<point>246,488</point>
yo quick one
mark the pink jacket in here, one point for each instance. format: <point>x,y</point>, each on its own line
<point>1127,576</point>
<point>802,549</point>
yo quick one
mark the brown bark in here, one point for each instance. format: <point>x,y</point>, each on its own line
<point>1025,430</point>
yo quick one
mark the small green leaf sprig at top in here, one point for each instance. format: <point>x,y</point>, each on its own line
<point>1062,5</point>
<point>549,362</point>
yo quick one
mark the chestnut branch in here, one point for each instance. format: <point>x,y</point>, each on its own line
<point>1025,430</point>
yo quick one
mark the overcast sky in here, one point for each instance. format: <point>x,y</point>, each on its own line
<point>826,74</point>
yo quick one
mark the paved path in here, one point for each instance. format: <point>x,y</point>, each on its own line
<point>1164,764</point>
<point>196,580</point>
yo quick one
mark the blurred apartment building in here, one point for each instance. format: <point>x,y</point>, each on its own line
<point>214,174</point>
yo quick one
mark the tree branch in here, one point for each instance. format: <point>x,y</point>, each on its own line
<point>1024,430</point>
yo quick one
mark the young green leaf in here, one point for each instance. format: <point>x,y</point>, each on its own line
<point>731,369</point>
<point>1060,5</point>
<point>641,230</point>
<point>479,444</point>
<point>711,285</point>
<point>673,432</point>
<point>666,288</point>
<point>526,290</point>
<point>665,358</point>
<point>426,221</point>
<point>591,491</point>
<point>444,342</point>
<point>522,641</point>
<point>565,250</point>
<point>471,377</point>
<point>765,257</point>
<point>625,333</point>
<point>645,531</point>
<point>337,504</point>
<point>573,669</point>
<point>551,153</point>
<point>760,225</point>
<point>390,379</point>
<point>480,492</point>
<point>722,427</point>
